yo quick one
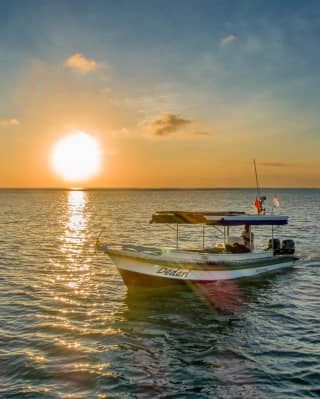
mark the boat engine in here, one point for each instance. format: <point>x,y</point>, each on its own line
<point>275,244</point>
<point>288,247</point>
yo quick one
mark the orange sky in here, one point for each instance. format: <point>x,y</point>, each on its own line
<point>162,117</point>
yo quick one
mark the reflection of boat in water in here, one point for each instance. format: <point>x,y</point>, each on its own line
<point>232,259</point>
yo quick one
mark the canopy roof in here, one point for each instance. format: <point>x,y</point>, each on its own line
<point>230,218</point>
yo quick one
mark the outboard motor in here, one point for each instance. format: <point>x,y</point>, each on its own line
<point>288,247</point>
<point>275,246</point>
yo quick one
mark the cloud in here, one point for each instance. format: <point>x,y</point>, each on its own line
<point>275,164</point>
<point>9,122</point>
<point>167,124</point>
<point>228,39</point>
<point>81,63</point>
<point>200,133</point>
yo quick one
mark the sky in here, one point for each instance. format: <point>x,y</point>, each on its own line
<point>176,93</point>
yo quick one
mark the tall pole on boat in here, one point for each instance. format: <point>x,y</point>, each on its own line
<point>257,182</point>
<point>177,238</point>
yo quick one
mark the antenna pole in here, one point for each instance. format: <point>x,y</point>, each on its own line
<point>257,182</point>
<point>177,237</point>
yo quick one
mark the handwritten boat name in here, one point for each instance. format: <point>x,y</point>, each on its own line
<point>170,272</point>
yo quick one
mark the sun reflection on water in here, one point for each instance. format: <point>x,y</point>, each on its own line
<point>74,261</point>
<point>76,223</point>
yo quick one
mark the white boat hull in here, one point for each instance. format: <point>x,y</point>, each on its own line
<point>139,269</point>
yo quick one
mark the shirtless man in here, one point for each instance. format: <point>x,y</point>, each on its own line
<point>246,237</point>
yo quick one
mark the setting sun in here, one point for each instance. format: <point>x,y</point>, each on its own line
<point>76,157</point>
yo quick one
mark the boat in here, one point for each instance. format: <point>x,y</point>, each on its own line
<point>232,258</point>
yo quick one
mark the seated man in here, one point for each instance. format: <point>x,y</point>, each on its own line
<point>235,245</point>
<point>248,243</point>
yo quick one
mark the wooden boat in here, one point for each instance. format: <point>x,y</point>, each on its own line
<point>154,266</point>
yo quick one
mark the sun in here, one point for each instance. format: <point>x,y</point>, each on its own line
<point>76,157</point>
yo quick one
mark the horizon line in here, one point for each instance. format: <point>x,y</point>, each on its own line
<point>158,188</point>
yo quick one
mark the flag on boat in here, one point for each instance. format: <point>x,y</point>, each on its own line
<point>275,202</point>
<point>258,206</point>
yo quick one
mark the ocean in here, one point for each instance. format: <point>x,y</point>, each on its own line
<point>69,328</point>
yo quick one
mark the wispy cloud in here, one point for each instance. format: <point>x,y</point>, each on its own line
<point>81,63</point>
<point>169,124</point>
<point>275,164</point>
<point>200,133</point>
<point>228,39</point>
<point>9,122</point>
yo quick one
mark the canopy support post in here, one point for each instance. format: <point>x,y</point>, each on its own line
<point>224,238</point>
<point>203,236</point>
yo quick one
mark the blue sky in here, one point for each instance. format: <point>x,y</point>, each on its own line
<point>236,68</point>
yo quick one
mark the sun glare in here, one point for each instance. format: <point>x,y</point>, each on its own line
<point>76,157</point>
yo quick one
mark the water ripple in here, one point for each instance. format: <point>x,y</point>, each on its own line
<point>69,328</point>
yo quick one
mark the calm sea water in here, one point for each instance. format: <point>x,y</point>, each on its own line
<point>70,329</point>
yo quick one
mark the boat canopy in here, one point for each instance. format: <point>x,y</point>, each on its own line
<point>230,218</point>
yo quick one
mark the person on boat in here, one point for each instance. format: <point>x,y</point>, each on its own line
<point>247,237</point>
